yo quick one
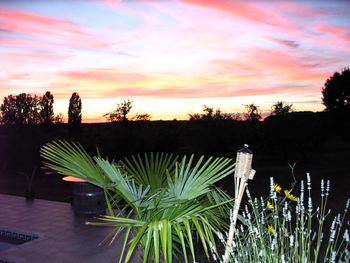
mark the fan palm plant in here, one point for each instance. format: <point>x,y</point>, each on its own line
<point>170,201</point>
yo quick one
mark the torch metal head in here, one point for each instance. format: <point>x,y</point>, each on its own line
<point>245,149</point>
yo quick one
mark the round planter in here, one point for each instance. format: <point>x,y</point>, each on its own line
<point>88,200</point>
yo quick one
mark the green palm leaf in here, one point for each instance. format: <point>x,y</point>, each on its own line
<point>172,203</point>
<point>71,159</point>
<point>189,183</point>
<point>151,169</point>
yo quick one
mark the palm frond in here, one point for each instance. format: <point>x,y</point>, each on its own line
<point>189,183</point>
<point>71,159</point>
<point>127,189</point>
<point>151,169</point>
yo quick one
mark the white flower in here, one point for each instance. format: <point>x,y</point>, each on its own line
<point>221,237</point>
<point>291,240</point>
<point>333,256</point>
<point>308,181</point>
<point>333,232</point>
<point>273,194</point>
<point>309,206</point>
<point>346,236</point>
<point>328,187</point>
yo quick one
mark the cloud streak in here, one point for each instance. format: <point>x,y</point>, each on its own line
<point>42,29</point>
<point>285,42</point>
<point>248,10</point>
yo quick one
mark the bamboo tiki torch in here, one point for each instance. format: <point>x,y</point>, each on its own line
<point>243,172</point>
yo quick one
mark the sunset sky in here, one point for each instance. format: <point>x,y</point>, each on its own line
<point>170,57</point>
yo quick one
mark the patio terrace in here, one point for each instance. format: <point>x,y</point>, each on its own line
<point>63,237</point>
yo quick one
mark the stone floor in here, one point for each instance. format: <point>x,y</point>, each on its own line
<point>63,236</point>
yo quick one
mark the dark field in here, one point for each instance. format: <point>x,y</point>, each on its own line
<point>317,142</point>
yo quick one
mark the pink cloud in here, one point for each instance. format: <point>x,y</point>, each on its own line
<point>291,66</point>
<point>281,66</point>
<point>49,30</point>
<point>301,9</point>
<point>20,56</point>
<point>104,75</point>
<point>17,42</point>
<point>23,22</point>
<point>297,22</point>
<point>112,3</point>
<point>340,32</point>
<point>248,10</point>
<point>132,9</point>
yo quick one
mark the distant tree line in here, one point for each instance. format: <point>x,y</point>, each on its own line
<point>252,113</point>
<point>26,109</point>
<point>210,114</point>
<point>335,96</point>
<point>120,113</point>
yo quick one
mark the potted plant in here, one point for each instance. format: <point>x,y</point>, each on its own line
<point>30,194</point>
<point>169,201</point>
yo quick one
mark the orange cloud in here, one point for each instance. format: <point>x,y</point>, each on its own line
<point>112,84</point>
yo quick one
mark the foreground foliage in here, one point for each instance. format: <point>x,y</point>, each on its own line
<point>286,228</point>
<point>169,201</point>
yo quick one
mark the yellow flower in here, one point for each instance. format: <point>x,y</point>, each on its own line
<point>290,196</point>
<point>278,188</point>
<point>271,229</point>
<point>269,205</point>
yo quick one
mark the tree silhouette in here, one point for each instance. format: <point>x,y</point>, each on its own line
<point>21,109</point>
<point>142,117</point>
<point>9,110</point>
<point>281,108</point>
<point>120,113</point>
<point>58,118</point>
<point>46,112</point>
<point>336,92</point>
<point>253,112</point>
<point>74,110</point>
<point>210,114</point>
